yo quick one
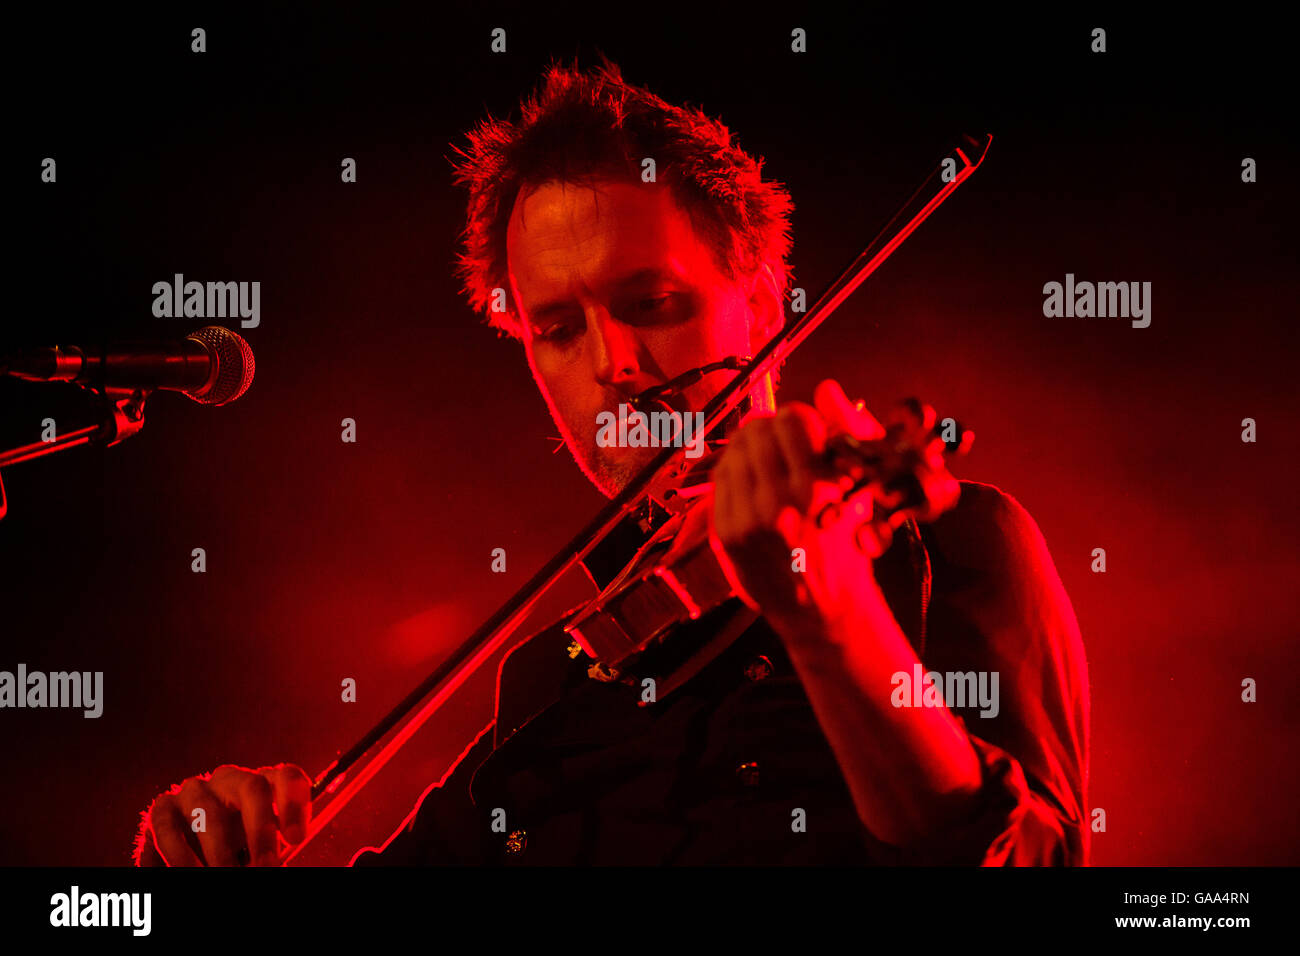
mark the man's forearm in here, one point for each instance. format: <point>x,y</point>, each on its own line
<point>911,771</point>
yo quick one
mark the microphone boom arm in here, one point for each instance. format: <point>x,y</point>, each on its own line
<point>123,416</point>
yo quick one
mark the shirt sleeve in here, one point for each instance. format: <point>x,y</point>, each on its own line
<point>444,827</point>
<point>998,605</point>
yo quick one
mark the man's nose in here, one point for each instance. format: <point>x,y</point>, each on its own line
<point>615,352</point>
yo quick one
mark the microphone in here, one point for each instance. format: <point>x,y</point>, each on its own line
<point>213,366</point>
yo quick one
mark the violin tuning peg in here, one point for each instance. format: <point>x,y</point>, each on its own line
<point>915,413</point>
<point>956,437</point>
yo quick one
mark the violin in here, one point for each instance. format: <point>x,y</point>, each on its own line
<point>897,473</point>
<point>679,574</point>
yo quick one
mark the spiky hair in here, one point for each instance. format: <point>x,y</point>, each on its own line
<point>580,127</point>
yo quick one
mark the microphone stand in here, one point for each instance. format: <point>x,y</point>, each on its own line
<point>122,415</point>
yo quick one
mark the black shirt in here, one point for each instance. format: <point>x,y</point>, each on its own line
<point>733,767</point>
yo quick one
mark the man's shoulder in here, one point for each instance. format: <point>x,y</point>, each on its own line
<point>990,561</point>
<point>995,583</point>
<point>987,528</point>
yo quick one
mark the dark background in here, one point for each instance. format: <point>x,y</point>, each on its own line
<point>370,560</point>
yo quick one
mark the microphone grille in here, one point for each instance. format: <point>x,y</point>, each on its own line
<point>235,365</point>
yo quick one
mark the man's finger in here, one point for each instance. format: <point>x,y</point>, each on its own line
<point>218,839</point>
<point>799,436</point>
<point>762,454</point>
<point>292,789</point>
<point>843,416</point>
<point>251,795</point>
<point>167,829</point>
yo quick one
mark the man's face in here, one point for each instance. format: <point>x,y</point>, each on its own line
<point>615,294</point>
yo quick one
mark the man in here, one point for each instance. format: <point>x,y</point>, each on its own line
<point>785,733</point>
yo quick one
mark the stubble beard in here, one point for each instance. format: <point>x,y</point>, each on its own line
<point>609,474</point>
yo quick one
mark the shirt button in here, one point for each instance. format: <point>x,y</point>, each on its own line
<point>516,841</point>
<point>760,668</point>
<point>748,774</point>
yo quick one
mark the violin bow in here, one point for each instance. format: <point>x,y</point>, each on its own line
<point>333,786</point>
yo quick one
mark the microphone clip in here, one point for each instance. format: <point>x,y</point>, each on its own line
<point>124,408</point>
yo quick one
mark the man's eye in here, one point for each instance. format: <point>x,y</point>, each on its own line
<point>559,332</point>
<point>655,303</point>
